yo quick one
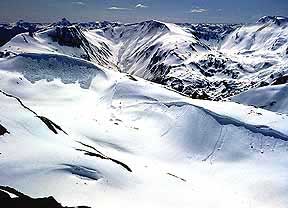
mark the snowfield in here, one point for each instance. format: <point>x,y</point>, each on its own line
<point>87,134</point>
<point>272,98</point>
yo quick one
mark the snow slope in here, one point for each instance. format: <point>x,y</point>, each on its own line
<point>8,31</point>
<point>204,61</point>
<point>64,40</point>
<point>148,49</point>
<point>272,98</point>
<point>92,136</point>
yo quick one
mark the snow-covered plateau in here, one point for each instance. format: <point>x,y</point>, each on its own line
<point>105,114</point>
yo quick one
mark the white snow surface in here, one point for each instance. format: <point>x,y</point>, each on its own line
<point>127,142</point>
<point>182,152</point>
<point>272,98</point>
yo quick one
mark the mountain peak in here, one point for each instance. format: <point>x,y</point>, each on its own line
<point>153,22</point>
<point>279,20</point>
<point>64,22</point>
<point>155,25</point>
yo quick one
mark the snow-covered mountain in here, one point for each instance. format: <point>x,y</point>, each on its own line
<point>8,31</point>
<point>205,61</point>
<point>279,20</point>
<point>75,127</point>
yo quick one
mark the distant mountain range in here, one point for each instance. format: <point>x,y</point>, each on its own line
<point>206,61</point>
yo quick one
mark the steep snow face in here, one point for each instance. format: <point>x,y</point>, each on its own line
<point>67,40</point>
<point>149,49</point>
<point>272,98</point>
<point>35,67</point>
<point>266,37</point>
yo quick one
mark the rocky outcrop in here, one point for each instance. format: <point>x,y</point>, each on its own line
<point>8,31</point>
<point>23,201</point>
<point>280,80</point>
<point>66,36</point>
<point>3,130</point>
<point>73,36</point>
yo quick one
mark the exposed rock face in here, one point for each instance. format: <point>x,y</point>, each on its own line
<point>64,22</point>
<point>4,54</point>
<point>73,36</point>
<point>23,201</point>
<point>3,130</point>
<point>8,31</point>
<point>280,80</point>
<point>196,93</point>
<point>67,36</point>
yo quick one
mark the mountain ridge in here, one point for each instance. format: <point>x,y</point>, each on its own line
<point>200,60</point>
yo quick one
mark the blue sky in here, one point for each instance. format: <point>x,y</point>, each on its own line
<point>215,11</point>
